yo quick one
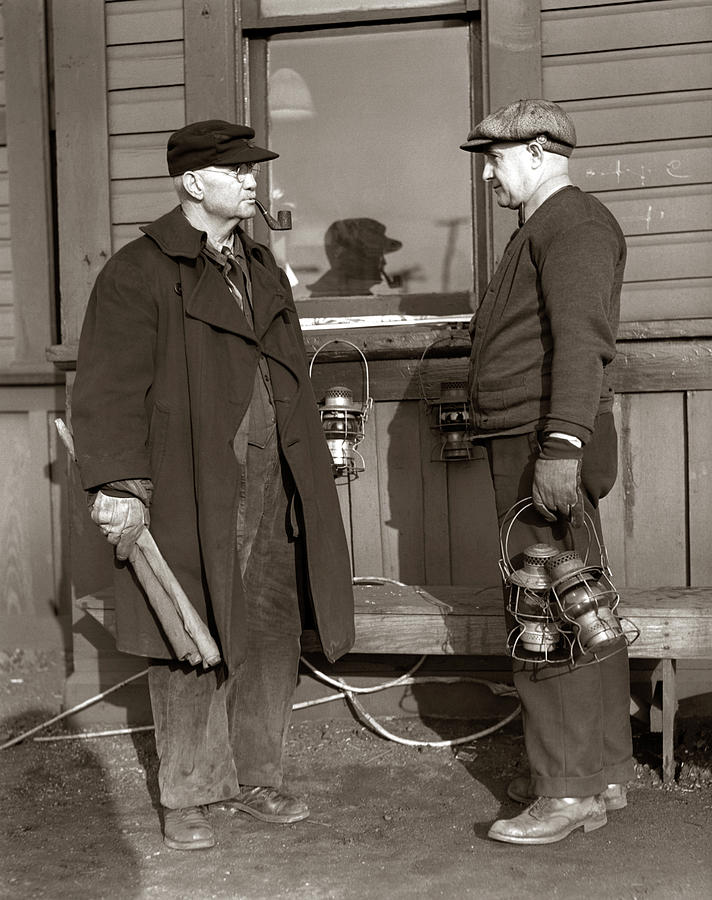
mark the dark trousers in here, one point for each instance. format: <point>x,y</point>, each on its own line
<point>576,719</point>
<point>217,730</point>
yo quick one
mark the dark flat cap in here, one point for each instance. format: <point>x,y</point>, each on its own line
<point>213,143</point>
<point>364,237</point>
<point>525,120</point>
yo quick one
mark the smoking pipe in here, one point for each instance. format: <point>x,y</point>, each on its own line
<point>283,222</point>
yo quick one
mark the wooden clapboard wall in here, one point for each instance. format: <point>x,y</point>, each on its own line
<point>637,79</point>
<point>146,102</point>
<point>6,293</point>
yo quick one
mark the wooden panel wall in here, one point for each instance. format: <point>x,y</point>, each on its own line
<point>637,79</point>
<point>33,571</point>
<point>6,292</point>
<point>146,102</point>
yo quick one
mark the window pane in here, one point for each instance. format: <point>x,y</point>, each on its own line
<point>288,7</point>
<point>368,128</point>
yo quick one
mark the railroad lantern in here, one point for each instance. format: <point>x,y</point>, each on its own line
<point>449,413</point>
<point>343,420</point>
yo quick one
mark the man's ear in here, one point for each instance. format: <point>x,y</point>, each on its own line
<point>536,154</point>
<point>193,185</point>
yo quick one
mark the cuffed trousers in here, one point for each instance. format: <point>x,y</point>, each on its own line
<point>576,719</point>
<point>217,730</point>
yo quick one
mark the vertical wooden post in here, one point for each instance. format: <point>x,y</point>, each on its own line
<point>82,154</point>
<point>28,152</point>
<point>511,61</point>
<point>212,61</point>
<point>669,712</point>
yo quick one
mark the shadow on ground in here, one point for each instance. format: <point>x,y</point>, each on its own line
<point>388,821</point>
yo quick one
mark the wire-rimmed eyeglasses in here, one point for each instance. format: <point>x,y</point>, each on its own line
<point>240,173</point>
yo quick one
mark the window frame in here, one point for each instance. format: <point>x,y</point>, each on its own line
<point>440,306</point>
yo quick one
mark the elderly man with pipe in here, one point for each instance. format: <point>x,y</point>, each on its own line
<point>541,398</point>
<point>192,398</point>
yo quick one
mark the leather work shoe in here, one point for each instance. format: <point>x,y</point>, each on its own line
<point>520,789</point>
<point>267,804</point>
<point>550,819</point>
<point>187,829</point>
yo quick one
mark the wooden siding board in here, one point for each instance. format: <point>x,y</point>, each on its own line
<point>656,24</point>
<point>366,508</point>
<point>16,597</point>
<point>144,65</point>
<point>654,117</point>
<point>672,299</point>
<point>144,21</point>
<point>436,525</point>
<point>146,110</point>
<point>699,416</point>
<point>139,155</point>
<point>658,164</point>
<point>653,481</point>
<point>625,73</point>
<point>142,200</point>
<point>474,546</point>
<point>661,210</point>
<point>659,257</point>
<point>398,454</point>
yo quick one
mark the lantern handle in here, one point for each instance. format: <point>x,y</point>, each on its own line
<point>368,400</point>
<point>513,514</point>
<point>442,340</point>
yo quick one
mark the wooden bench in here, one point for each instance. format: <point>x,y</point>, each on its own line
<point>674,623</point>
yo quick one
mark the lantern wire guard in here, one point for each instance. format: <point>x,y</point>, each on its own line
<point>564,607</point>
<point>342,420</point>
<point>451,412</point>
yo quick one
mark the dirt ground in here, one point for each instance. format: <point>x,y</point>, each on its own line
<point>80,817</point>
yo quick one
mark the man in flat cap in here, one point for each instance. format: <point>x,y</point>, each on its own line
<point>356,250</point>
<point>542,339</point>
<point>192,398</point>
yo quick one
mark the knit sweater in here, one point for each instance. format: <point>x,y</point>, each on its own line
<point>546,328</point>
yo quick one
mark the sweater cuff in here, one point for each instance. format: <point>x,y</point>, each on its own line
<point>559,448</point>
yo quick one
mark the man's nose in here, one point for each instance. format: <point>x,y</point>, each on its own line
<point>487,172</point>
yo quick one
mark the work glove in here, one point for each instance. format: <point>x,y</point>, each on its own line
<point>556,488</point>
<point>121,520</point>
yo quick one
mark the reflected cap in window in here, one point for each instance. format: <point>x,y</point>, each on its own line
<point>361,237</point>
<point>213,143</point>
<point>525,120</point>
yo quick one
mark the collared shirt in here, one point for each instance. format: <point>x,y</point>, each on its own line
<point>233,266</point>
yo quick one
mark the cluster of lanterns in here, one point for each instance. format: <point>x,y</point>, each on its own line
<point>563,608</point>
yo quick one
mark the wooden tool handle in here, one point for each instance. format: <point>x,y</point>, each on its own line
<point>181,643</point>
<point>192,622</point>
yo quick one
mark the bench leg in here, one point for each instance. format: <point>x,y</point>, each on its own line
<point>669,710</point>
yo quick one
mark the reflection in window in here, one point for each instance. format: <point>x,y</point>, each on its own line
<point>368,127</point>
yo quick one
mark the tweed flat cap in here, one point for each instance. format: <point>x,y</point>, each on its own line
<point>213,143</point>
<point>525,120</point>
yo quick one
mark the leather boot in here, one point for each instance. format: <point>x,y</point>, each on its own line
<point>550,819</point>
<point>267,804</point>
<point>187,829</point>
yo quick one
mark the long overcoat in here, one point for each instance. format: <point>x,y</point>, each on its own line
<point>165,372</point>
